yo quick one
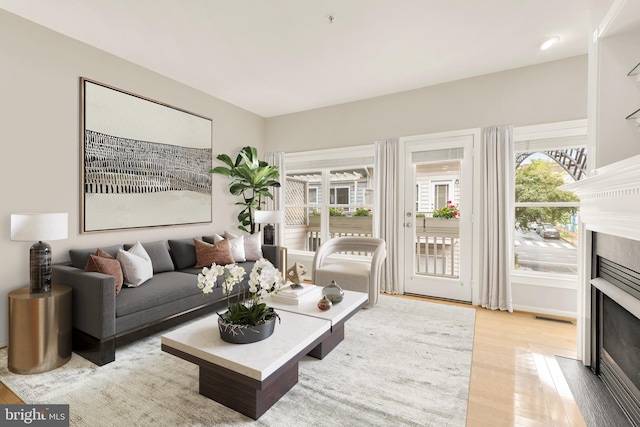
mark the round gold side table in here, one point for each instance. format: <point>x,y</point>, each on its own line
<point>39,330</point>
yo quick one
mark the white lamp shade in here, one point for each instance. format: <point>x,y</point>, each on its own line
<point>35,227</point>
<point>268,217</point>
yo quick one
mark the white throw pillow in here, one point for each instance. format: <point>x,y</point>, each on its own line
<point>227,235</point>
<point>253,246</point>
<point>218,238</point>
<point>237,248</point>
<point>136,265</point>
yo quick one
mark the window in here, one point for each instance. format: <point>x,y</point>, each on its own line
<point>441,194</point>
<point>313,196</point>
<point>545,236</point>
<point>339,196</point>
<point>346,176</point>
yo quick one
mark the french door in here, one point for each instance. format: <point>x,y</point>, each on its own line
<point>438,172</point>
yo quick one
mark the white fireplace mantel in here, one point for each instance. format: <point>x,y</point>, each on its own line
<point>609,203</point>
<point>610,199</point>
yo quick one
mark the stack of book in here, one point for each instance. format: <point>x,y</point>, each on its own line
<point>296,295</point>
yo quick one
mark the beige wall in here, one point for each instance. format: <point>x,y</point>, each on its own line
<point>39,128</point>
<point>546,93</point>
<point>39,133</point>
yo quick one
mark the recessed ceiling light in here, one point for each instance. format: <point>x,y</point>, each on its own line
<point>548,42</point>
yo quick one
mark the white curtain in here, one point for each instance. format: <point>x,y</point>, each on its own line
<point>385,212</point>
<point>277,204</point>
<point>497,220</point>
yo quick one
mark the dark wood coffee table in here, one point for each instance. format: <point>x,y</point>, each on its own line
<point>248,378</point>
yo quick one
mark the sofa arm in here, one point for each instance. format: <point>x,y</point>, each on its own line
<point>272,254</point>
<point>94,299</point>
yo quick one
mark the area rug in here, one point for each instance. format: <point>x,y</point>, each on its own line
<point>403,362</point>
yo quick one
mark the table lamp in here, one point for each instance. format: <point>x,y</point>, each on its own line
<point>29,227</point>
<point>268,218</point>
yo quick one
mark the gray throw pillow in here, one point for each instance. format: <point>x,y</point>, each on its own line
<point>79,257</point>
<point>159,254</point>
<point>183,252</point>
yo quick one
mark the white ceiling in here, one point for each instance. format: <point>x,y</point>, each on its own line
<point>275,57</point>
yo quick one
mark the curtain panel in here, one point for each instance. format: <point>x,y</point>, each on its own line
<point>497,221</point>
<point>385,213</point>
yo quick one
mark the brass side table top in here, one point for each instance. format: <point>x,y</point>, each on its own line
<point>39,330</point>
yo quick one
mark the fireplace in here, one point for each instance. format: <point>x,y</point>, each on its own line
<point>609,283</point>
<point>615,319</point>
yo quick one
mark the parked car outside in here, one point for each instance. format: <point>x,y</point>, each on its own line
<point>540,227</point>
<point>549,232</point>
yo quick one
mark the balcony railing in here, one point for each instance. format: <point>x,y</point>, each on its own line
<point>437,242</point>
<point>339,226</point>
<point>437,247</point>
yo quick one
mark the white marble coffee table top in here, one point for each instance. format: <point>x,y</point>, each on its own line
<point>309,306</point>
<point>257,360</point>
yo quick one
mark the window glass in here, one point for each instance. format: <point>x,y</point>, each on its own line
<point>348,207</point>
<point>545,236</point>
<point>313,195</point>
<point>441,196</point>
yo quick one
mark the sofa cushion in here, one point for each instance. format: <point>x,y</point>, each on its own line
<point>159,255</point>
<point>207,253</point>
<point>79,257</point>
<point>237,249</point>
<point>252,244</point>
<point>136,265</point>
<point>104,263</point>
<point>214,238</point>
<point>161,289</point>
<point>183,253</point>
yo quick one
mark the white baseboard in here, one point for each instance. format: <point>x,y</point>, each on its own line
<point>545,310</point>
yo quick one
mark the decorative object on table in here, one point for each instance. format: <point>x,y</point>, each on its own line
<point>144,163</point>
<point>31,227</point>
<point>268,218</point>
<point>246,320</point>
<point>296,273</point>
<point>250,179</point>
<point>333,292</point>
<point>288,294</point>
<point>324,304</point>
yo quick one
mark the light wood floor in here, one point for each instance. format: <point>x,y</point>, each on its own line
<point>515,379</point>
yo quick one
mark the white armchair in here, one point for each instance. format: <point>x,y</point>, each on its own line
<point>354,275</point>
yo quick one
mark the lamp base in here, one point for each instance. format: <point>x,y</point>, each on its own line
<point>269,234</point>
<point>40,268</point>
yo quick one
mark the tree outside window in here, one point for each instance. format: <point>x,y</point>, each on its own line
<point>538,181</point>
<point>545,235</point>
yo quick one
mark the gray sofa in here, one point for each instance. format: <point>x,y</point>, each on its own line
<point>103,321</point>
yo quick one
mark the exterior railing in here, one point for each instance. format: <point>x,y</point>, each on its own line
<point>437,247</point>
<point>437,241</point>
<point>339,226</point>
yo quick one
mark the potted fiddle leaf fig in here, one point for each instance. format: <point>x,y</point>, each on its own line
<point>251,179</point>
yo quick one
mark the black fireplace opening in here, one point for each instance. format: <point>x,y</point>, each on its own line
<point>616,337</point>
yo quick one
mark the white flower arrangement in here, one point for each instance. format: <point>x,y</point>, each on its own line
<point>263,280</point>
<point>208,278</point>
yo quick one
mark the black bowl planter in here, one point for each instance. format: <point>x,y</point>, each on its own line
<point>245,334</point>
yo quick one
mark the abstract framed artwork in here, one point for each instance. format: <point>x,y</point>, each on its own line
<point>144,163</point>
